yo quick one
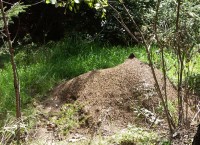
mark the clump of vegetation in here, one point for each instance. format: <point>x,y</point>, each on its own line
<point>8,131</point>
<point>135,135</point>
<point>131,135</point>
<point>68,118</point>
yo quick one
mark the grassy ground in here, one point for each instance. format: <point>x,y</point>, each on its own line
<point>40,68</point>
<point>129,136</point>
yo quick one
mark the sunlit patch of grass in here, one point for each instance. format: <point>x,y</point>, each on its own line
<point>136,135</point>
<point>40,68</point>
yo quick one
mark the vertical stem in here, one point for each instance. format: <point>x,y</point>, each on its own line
<point>14,68</point>
<point>180,66</point>
<point>156,20</point>
<point>186,94</point>
<point>162,52</point>
<point>147,47</point>
<point>180,88</point>
<point>164,76</point>
<point>170,122</point>
<point>163,60</point>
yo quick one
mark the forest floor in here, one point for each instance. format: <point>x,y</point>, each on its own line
<point>111,106</point>
<point>117,105</point>
<point>48,133</point>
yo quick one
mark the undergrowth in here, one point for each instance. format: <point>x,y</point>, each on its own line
<point>41,68</point>
<point>132,135</point>
<point>69,117</point>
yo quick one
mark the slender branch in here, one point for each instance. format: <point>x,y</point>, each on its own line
<point>162,53</point>
<point>156,20</point>
<point>7,3</point>
<point>121,21</point>
<point>180,65</point>
<point>16,31</point>
<point>147,47</point>
<point>42,1</point>
<point>14,68</point>
<point>169,118</point>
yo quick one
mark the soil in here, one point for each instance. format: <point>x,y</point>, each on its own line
<point>113,94</point>
<point>115,97</point>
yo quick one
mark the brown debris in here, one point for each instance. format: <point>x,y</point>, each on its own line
<point>111,96</point>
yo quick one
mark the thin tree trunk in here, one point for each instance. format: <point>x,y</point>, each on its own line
<point>180,67</point>
<point>162,52</point>
<point>147,46</point>
<point>14,69</point>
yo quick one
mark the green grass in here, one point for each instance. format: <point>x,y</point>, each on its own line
<point>41,68</point>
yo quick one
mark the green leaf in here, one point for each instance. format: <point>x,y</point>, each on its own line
<point>121,1</point>
<point>70,8</point>
<point>97,6</point>
<point>61,4</point>
<point>103,15</point>
<point>77,1</point>
<point>192,14</point>
<point>53,2</point>
<point>14,12</point>
<point>47,1</point>
<point>72,3</point>
<point>90,4</point>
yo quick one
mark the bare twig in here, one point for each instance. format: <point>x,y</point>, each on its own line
<point>162,53</point>
<point>121,21</point>
<point>148,46</point>
<point>198,111</point>
<point>16,31</point>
